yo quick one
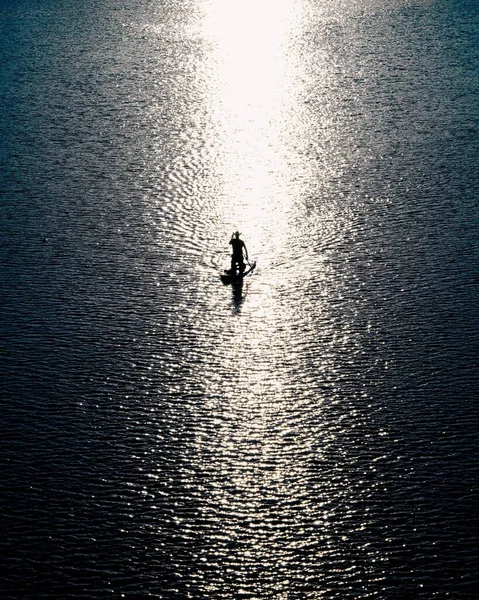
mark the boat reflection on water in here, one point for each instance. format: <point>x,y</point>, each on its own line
<point>236,280</point>
<point>237,296</point>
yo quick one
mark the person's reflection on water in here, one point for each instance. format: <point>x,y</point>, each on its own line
<point>237,296</point>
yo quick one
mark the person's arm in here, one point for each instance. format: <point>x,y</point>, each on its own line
<point>245,251</point>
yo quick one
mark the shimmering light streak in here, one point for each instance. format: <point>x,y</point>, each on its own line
<point>251,97</point>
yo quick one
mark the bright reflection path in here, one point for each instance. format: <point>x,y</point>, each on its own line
<point>277,454</point>
<point>255,453</point>
<point>251,98</point>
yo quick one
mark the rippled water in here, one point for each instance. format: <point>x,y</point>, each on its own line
<point>310,434</point>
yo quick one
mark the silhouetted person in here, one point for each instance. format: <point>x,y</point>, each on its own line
<point>239,252</point>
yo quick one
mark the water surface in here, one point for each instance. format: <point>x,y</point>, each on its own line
<point>311,434</point>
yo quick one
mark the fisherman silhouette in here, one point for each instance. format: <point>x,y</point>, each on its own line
<point>239,253</point>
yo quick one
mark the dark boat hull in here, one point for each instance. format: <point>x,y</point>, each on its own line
<point>227,277</point>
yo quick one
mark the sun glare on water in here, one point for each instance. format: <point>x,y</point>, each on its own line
<point>251,96</point>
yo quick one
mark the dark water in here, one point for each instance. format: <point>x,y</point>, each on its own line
<point>312,434</point>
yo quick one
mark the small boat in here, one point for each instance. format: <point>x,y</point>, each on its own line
<point>229,277</point>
